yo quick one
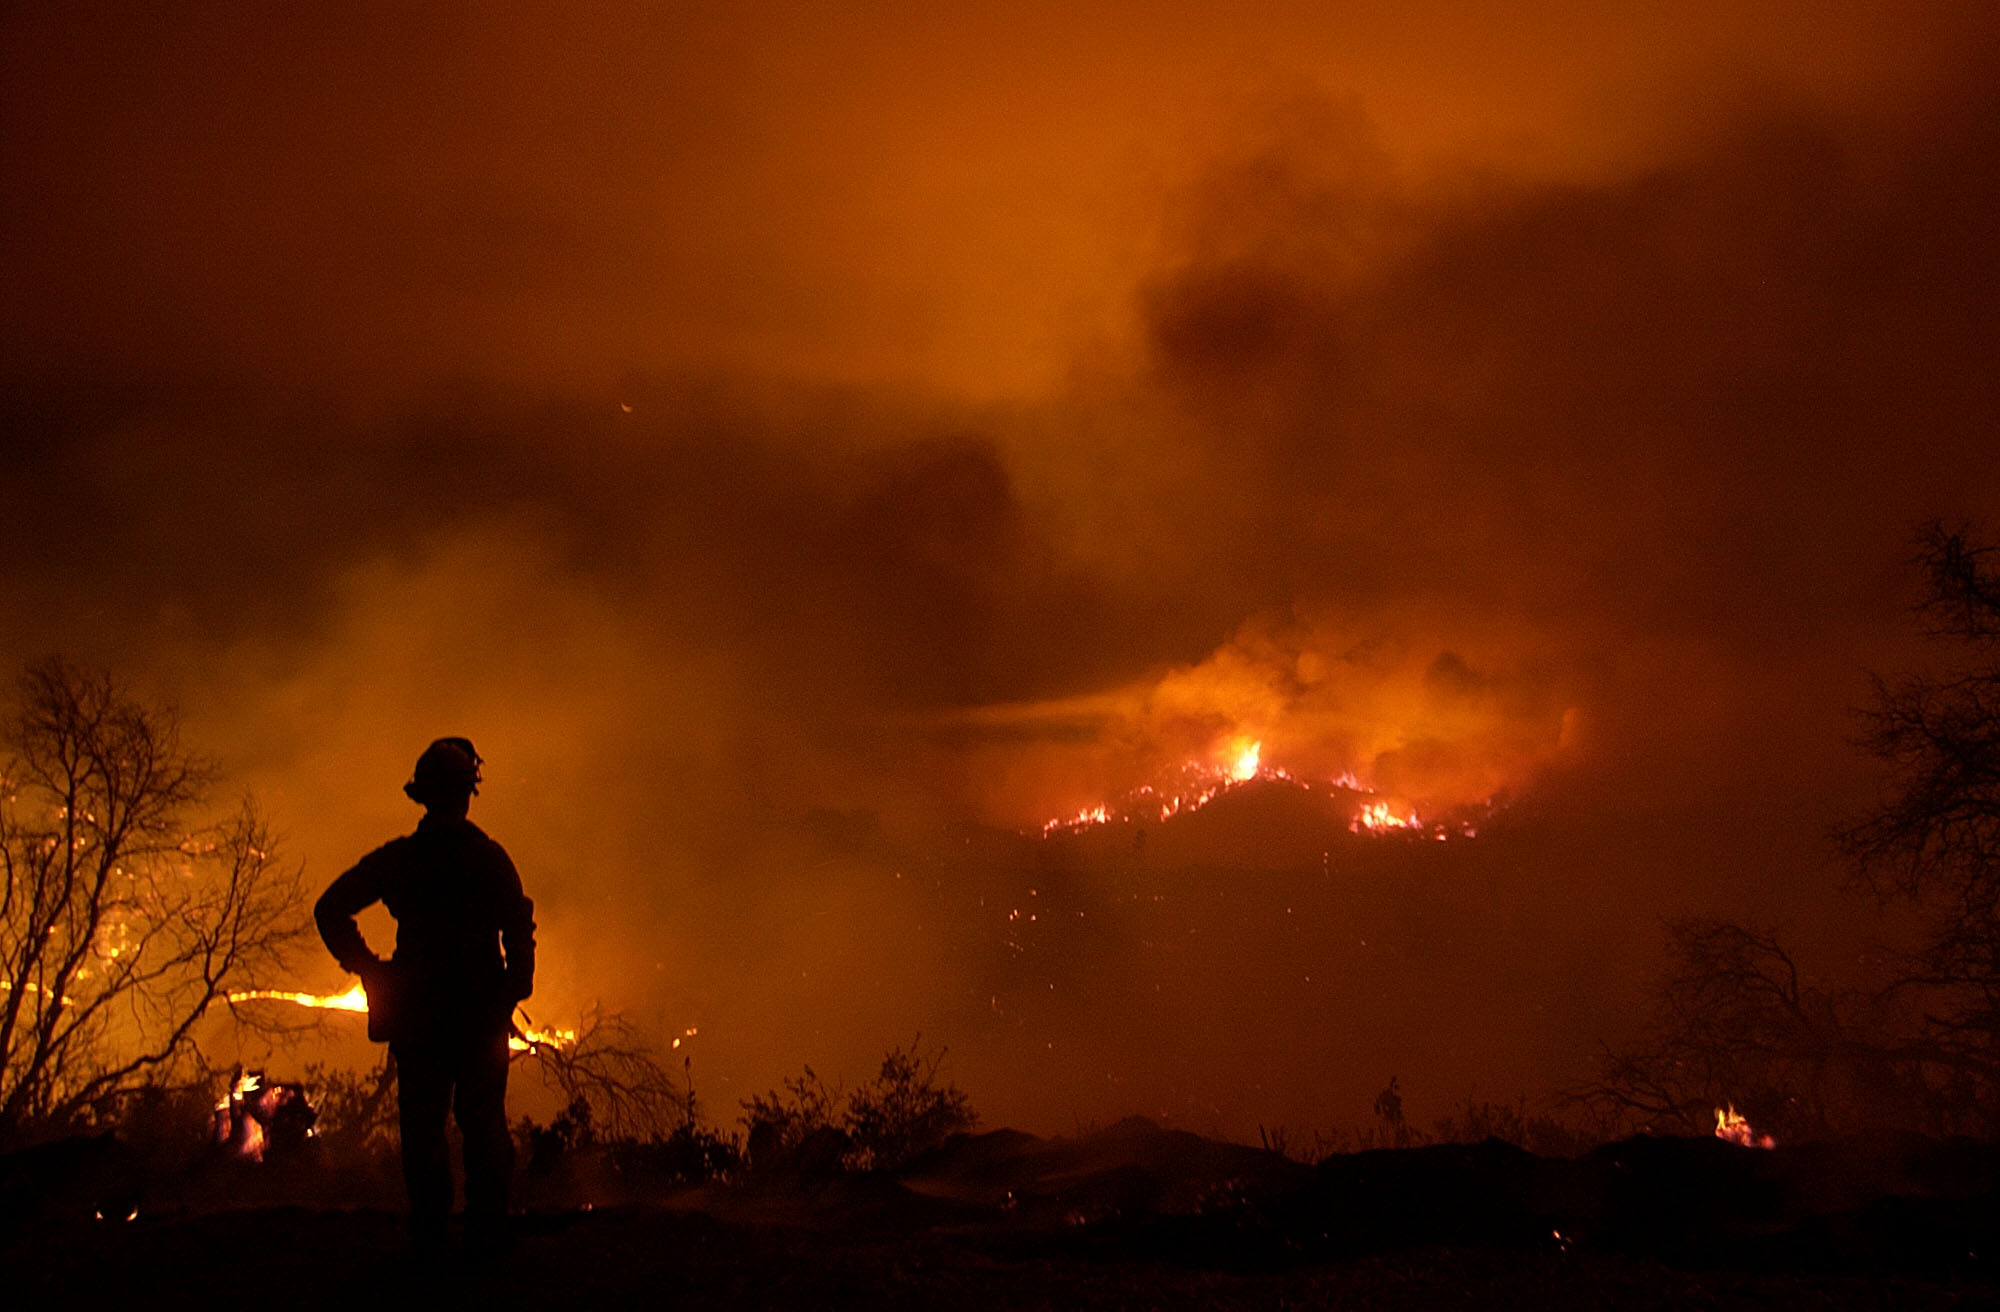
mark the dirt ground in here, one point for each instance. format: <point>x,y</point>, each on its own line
<point>1133,1216</point>
<point>653,1256</point>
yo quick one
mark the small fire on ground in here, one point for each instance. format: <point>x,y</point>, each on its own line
<point>253,1117</point>
<point>1734,1127</point>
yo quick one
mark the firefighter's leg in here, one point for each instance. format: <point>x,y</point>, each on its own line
<point>482,1122</point>
<point>423,1100</point>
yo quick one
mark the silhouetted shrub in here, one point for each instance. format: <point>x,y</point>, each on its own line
<point>691,1154</point>
<point>570,1129</point>
<point>780,1120</point>
<point>1479,1120</point>
<point>357,1109</point>
<point>905,1110</point>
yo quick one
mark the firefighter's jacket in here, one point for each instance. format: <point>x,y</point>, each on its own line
<point>465,933</point>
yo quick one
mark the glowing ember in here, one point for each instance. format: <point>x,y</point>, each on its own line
<point>1734,1127</point>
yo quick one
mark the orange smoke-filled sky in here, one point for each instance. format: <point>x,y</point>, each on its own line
<point>959,198</point>
<point>800,444</point>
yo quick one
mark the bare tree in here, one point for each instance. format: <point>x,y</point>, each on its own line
<point>1735,1020</point>
<point>1933,841</point>
<point>128,906</point>
<point>1735,1023</point>
<point>611,1068</point>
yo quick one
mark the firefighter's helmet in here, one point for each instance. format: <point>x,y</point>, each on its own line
<point>448,768</point>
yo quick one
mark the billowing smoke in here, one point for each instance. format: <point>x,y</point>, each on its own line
<point>1378,704</point>
<point>352,424</point>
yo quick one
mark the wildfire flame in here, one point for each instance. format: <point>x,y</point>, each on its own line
<point>355,999</point>
<point>1734,1127</point>
<point>1084,819</point>
<point>234,1125</point>
<point>1244,762</point>
<point>1376,817</point>
<point>246,1115</point>
<point>1200,782</point>
<point>1239,761</point>
<point>526,1037</point>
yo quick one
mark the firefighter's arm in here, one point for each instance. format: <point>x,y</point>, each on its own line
<point>334,913</point>
<point>517,936</point>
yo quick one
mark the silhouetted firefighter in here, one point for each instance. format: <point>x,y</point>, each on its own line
<point>465,954</point>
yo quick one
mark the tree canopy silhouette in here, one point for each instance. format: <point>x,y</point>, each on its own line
<point>129,906</point>
<point>1736,1021</point>
<point>1933,841</point>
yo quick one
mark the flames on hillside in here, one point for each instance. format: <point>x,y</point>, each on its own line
<point>1405,734</point>
<point>1238,761</point>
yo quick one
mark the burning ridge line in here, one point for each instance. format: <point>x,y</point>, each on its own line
<point>1242,763</point>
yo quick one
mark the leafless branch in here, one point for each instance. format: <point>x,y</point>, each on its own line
<point>610,1066</point>
<point>126,915</point>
